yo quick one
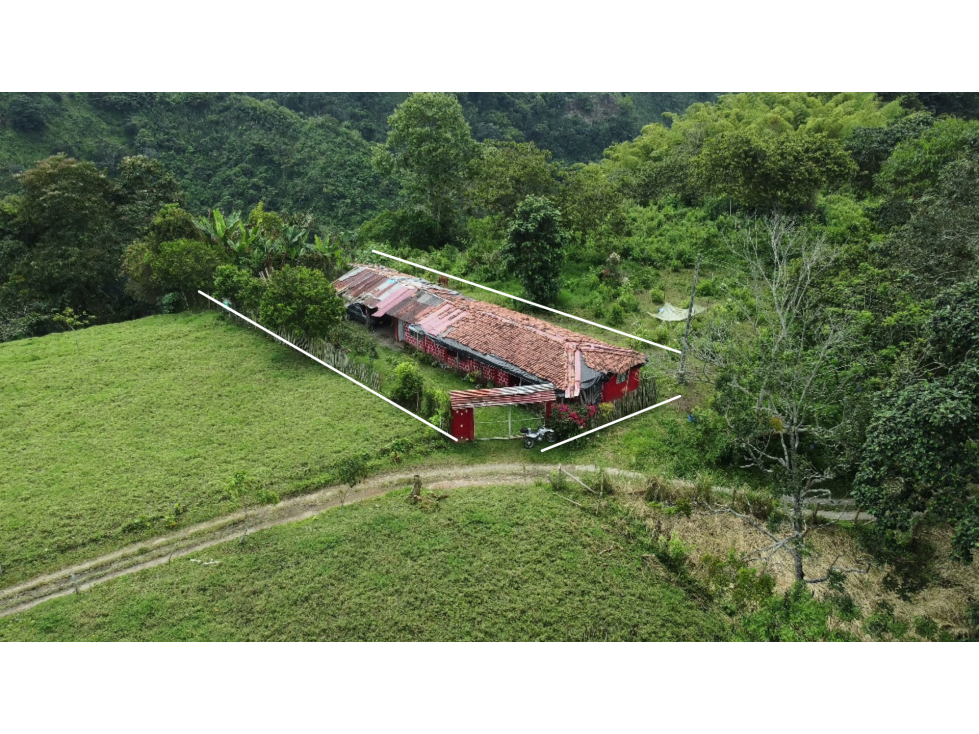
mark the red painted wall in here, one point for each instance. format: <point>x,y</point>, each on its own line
<point>613,390</point>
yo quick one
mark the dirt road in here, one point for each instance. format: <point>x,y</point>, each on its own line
<point>196,538</point>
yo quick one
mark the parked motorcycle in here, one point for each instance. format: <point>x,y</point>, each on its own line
<point>541,434</point>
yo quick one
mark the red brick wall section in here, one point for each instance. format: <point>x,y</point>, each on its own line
<point>497,376</point>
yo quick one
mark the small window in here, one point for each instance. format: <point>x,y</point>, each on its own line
<point>621,377</point>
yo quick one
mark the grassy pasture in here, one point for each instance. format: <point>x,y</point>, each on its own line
<point>99,445</point>
<point>504,563</point>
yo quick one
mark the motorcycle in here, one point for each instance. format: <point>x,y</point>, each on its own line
<point>541,434</point>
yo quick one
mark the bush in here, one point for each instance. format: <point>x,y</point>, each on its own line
<point>616,315</point>
<point>706,288</point>
<point>629,303</point>
<point>435,405</point>
<point>794,617</point>
<point>173,303</point>
<point>241,289</point>
<point>267,497</point>
<point>186,265</point>
<point>408,387</point>
<point>353,469</point>
<point>659,489</point>
<point>656,295</point>
<point>301,300</point>
<point>567,421</point>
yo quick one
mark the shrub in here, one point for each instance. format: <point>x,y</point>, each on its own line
<point>795,616</point>
<point>656,295</point>
<point>706,288</point>
<point>629,303</point>
<point>302,300</point>
<point>703,486</point>
<point>173,303</point>
<point>659,489</point>
<point>241,289</point>
<point>408,387</point>
<point>267,497</point>
<point>568,421</point>
<point>435,405</point>
<point>616,315</point>
<point>760,505</point>
<point>605,412</point>
<point>353,469</point>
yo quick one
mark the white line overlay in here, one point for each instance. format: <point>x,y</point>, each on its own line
<point>523,300</point>
<point>618,420</point>
<point>329,367</point>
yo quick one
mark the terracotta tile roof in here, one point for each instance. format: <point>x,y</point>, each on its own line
<point>538,347</point>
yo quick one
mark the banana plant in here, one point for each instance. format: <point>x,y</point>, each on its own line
<point>218,229</point>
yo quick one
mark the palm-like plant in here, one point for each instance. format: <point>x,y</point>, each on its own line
<point>219,229</point>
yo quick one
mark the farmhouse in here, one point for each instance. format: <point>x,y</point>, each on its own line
<point>507,348</point>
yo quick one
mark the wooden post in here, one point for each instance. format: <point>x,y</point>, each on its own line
<point>681,377</point>
<point>509,421</point>
<point>416,488</point>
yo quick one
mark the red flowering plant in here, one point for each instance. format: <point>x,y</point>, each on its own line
<point>569,420</point>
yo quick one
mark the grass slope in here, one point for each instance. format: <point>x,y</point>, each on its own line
<point>484,564</point>
<point>99,445</point>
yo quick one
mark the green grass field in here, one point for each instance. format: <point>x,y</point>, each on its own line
<point>99,444</point>
<point>482,564</point>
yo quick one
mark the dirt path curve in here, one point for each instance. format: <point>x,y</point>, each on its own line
<point>195,538</point>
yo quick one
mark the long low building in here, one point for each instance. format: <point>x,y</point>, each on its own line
<point>508,348</point>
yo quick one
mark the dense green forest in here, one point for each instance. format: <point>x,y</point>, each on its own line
<point>838,236</point>
<point>300,152</point>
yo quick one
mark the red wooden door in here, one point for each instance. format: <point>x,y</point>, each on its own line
<point>463,424</point>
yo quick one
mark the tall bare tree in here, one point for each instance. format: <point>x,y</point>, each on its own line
<point>781,374</point>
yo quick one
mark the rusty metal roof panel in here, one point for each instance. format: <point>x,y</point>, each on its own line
<point>393,297</point>
<point>411,311</point>
<point>521,395</point>
<point>440,319</point>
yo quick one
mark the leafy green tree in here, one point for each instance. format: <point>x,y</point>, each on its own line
<point>535,248</point>
<point>62,248</point>
<point>916,163</point>
<point>303,301</point>
<point>29,112</point>
<point>186,265</point>
<point>165,261</point>
<point>408,386</point>
<point>429,146</point>
<point>145,187</point>
<point>591,204</point>
<point>764,171</point>
<point>242,289</point>
<point>505,173</point>
<point>921,456</point>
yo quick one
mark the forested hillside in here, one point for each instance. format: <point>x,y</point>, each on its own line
<point>295,151</point>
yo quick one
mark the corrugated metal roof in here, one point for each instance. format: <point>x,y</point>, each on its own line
<point>522,395</point>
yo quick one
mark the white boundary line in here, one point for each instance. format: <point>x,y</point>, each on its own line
<point>618,420</point>
<point>523,300</point>
<point>315,359</point>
